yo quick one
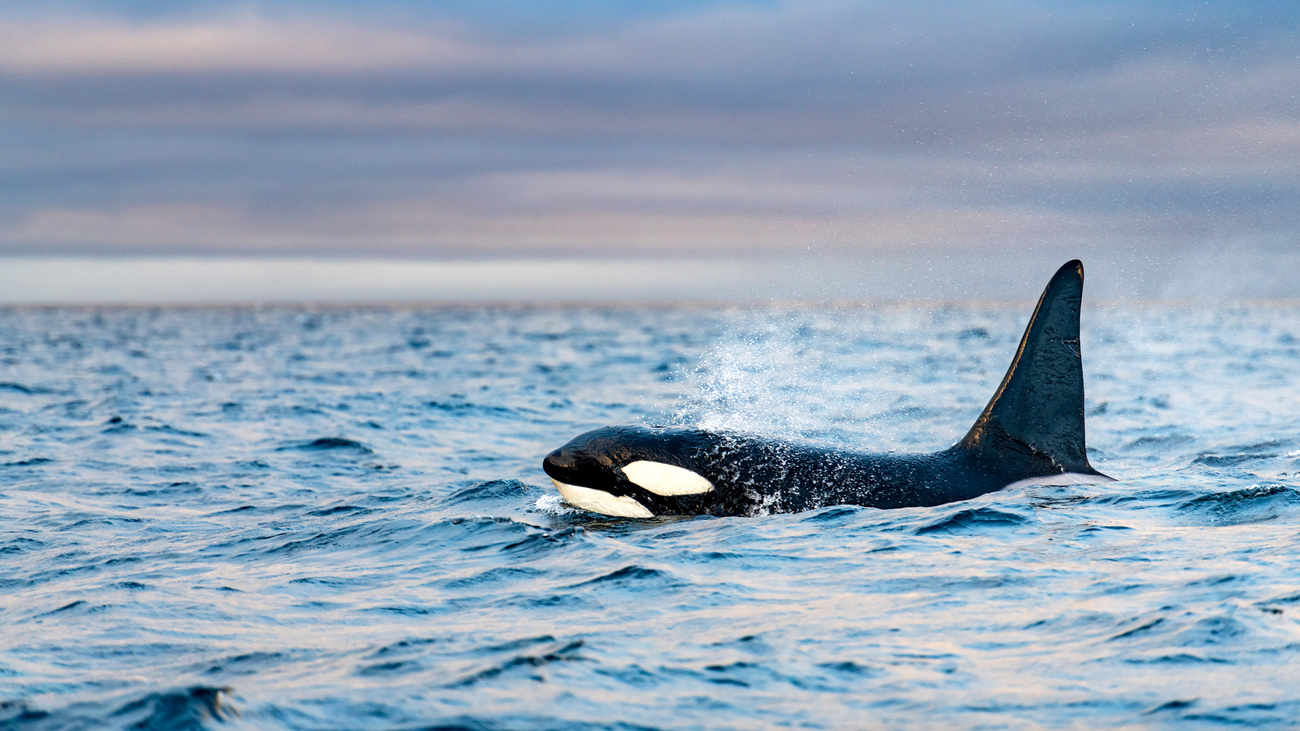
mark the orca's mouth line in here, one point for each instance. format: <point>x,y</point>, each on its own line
<point>599,501</point>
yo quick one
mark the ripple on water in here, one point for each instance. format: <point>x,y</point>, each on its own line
<point>973,521</point>
<point>329,444</point>
<point>489,491</point>
<point>541,652</point>
<point>632,579</point>
<point>1255,504</point>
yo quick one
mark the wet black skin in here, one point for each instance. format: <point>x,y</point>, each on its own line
<point>1032,427</point>
<point>744,470</point>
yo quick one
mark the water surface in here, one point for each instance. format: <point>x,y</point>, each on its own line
<point>335,518</point>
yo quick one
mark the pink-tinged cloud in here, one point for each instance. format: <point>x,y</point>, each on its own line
<point>727,129</point>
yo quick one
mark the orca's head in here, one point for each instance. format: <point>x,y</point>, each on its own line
<point>629,471</point>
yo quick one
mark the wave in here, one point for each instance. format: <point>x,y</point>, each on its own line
<point>550,652</point>
<point>195,708</point>
<point>12,387</point>
<point>327,444</point>
<point>1256,504</point>
<point>30,462</point>
<point>489,491</point>
<point>972,521</point>
<point>359,530</point>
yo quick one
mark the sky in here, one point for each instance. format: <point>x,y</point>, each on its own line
<point>731,131</point>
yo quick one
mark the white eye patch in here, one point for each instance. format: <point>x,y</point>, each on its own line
<point>665,479</point>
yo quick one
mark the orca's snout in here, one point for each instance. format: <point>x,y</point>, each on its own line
<point>559,464</point>
<point>574,466</point>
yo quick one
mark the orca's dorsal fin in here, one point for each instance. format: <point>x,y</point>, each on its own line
<point>1034,422</point>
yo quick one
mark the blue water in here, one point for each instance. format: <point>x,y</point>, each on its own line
<point>336,519</point>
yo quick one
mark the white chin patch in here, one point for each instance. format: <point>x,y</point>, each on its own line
<point>665,479</point>
<point>599,501</point>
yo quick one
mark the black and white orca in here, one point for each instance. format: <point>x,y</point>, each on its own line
<point>1032,429</point>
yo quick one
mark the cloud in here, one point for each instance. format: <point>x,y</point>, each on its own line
<point>800,73</point>
<point>47,47</point>
<point>723,127</point>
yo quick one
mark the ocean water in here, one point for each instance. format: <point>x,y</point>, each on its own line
<point>298,518</point>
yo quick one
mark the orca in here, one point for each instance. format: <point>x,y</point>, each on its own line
<point>1032,429</point>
